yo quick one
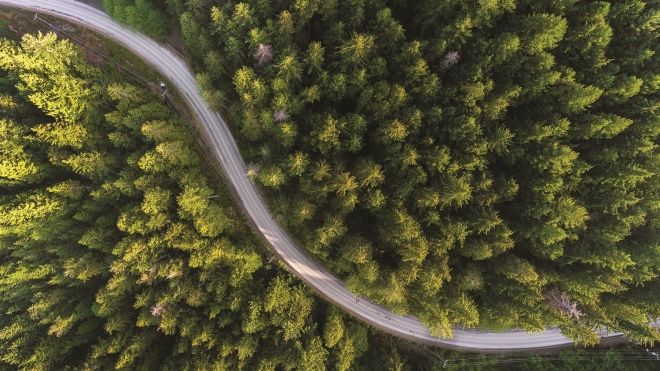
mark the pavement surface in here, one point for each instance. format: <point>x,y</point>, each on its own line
<point>224,149</point>
<point>98,4</point>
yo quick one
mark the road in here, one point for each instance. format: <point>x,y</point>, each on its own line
<point>224,149</point>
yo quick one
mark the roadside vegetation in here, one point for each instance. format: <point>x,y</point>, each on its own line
<point>117,250</point>
<point>491,165</point>
<point>463,162</point>
<point>150,17</point>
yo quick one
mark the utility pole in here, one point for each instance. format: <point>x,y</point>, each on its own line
<point>163,89</point>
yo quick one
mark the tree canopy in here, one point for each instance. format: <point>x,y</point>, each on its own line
<point>487,164</point>
<point>118,250</point>
<point>459,161</point>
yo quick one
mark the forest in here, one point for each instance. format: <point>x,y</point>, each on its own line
<point>118,251</point>
<point>487,164</point>
<point>490,164</point>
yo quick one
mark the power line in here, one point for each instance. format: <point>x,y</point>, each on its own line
<point>531,359</point>
<point>93,49</point>
<point>647,355</point>
<point>578,356</point>
<point>205,153</point>
<point>101,54</point>
<point>578,352</point>
<point>434,357</point>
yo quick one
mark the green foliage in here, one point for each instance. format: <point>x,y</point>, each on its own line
<point>458,161</point>
<point>116,250</point>
<point>437,153</point>
<point>146,16</point>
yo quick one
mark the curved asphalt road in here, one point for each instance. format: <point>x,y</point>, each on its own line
<point>224,149</point>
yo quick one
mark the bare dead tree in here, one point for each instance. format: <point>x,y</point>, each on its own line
<point>173,274</point>
<point>157,310</point>
<point>263,54</point>
<point>252,171</point>
<point>280,115</point>
<point>561,301</point>
<point>450,59</point>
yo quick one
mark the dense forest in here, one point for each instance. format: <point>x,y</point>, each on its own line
<point>117,251</point>
<point>490,163</point>
<point>146,16</point>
